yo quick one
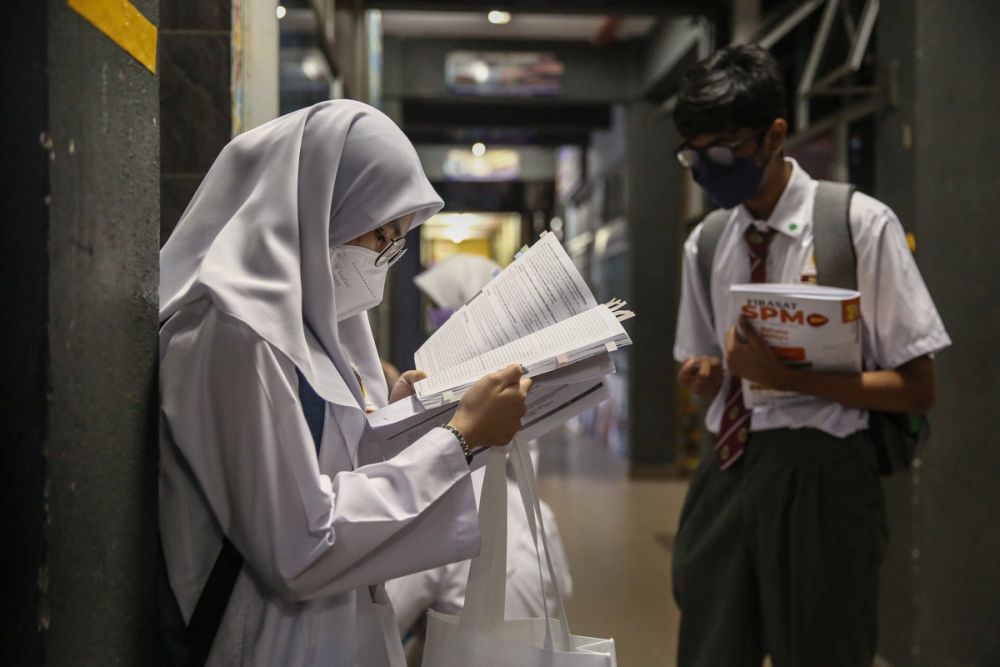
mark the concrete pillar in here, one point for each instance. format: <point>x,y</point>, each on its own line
<point>655,199</point>
<point>23,341</point>
<point>936,167</point>
<point>196,110</point>
<point>77,387</point>
<point>255,71</point>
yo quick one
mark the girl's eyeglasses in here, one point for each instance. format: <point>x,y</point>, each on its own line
<point>392,252</point>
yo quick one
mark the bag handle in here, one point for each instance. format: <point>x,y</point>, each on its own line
<point>485,594</point>
<point>527,483</point>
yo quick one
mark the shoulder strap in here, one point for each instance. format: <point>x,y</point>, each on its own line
<point>708,241</point>
<point>836,260</point>
<point>212,603</point>
<point>214,599</point>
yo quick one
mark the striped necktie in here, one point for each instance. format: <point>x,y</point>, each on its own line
<point>734,431</point>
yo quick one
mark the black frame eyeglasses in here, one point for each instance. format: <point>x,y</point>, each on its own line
<point>719,153</point>
<point>392,252</point>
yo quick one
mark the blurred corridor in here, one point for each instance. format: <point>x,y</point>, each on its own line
<point>622,579</point>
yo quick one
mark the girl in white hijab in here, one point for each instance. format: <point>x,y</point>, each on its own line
<point>263,289</point>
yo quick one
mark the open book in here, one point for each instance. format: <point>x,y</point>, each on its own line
<point>556,398</point>
<point>538,312</point>
<point>809,326</point>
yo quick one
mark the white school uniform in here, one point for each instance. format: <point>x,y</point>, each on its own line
<point>899,320</point>
<point>247,299</point>
<point>315,533</point>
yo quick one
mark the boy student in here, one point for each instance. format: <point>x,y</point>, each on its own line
<point>783,529</point>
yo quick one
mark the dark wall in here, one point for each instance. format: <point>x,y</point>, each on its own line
<point>100,453</point>
<point>895,178</point>
<point>23,340</point>
<point>195,107</point>
<point>935,166</point>
<point>655,234</point>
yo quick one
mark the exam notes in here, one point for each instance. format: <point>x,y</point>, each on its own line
<point>538,312</point>
<point>539,289</point>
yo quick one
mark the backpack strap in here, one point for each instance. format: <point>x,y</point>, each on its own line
<point>199,635</point>
<point>836,259</point>
<point>708,241</point>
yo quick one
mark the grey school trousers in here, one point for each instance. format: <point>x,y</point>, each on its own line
<point>780,554</point>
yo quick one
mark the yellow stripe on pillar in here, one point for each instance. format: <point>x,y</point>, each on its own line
<point>124,25</point>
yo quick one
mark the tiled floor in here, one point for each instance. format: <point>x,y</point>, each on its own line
<point>618,535</point>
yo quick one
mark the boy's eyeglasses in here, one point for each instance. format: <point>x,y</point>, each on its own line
<point>392,252</point>
<point>722,154</point>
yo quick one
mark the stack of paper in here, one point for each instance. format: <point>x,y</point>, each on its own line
<point>557,397</point>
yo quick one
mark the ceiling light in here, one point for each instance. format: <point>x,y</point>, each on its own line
<point>479,149</point>
<point>498,18</point>
<point>282,11</point>
<point>480,72</point>
<point>313,66</point>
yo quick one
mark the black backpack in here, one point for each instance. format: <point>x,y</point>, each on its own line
<point>897,436</point>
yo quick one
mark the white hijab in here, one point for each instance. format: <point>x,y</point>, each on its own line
<point>255,238</point>
<point>453,281</point>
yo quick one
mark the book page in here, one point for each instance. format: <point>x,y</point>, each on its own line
<point>540,288</point>
<point>589,329</point>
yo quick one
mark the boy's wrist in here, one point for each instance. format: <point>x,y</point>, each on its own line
<point>786,379</point>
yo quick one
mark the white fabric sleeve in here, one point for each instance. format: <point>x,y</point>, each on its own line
<point>233,410</point>
<point>900,320</point>
<point>695,333</point>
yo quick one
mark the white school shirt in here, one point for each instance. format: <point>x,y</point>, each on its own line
<point>899,320</point>
<point>237,456</point>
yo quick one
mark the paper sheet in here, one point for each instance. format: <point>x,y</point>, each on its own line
<point>589,329</point>
<point>540,288</point>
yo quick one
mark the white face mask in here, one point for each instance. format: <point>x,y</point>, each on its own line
<point>358,284</point>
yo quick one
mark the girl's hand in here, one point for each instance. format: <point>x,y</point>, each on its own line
<point>404,385</point>
<point>490,412</point>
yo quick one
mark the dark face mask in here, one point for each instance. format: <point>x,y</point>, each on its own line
<point>731,184</point>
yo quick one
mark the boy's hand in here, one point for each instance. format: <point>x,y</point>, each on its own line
<point>701,375</point>
<point>748,356</point>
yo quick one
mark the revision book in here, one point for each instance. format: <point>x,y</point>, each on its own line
<point>537,312</point>
<point>810,327</point>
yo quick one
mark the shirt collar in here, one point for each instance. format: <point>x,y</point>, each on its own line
<point>794,208</point>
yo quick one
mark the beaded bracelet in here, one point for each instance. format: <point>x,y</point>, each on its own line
<point>461,441</point>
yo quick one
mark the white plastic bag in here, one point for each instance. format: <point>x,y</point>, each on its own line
<point>480,636</point>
